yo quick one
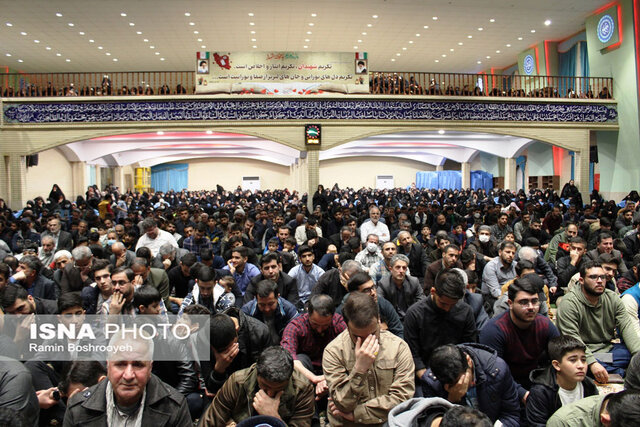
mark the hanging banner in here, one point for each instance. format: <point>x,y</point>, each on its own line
<point>282,73</point>
<point>607,28</point>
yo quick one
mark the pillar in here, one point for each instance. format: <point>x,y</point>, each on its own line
<point>17,181</point>
<point>510,174</point>
<point>98,177</point>
<point>313,174</point>
<point>465,171</point>
<point>4,178</point>
<point>581,179</point>
<point>118,178</point>
<point>439,168</point>
<point>79,177</point>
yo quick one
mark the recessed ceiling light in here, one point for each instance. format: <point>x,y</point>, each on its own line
<point>203,46</point>
<point>252,23</point>
<point>145,40</point>
<point>313,15</point>
<point>547,22</point>
<point>91,41</point>
<point>58,14</point>
<point>254,46</point>
<point>425,27</point>
<point>70,24</point>
<point>305,46</point>
<point>374,16</point>
<point>8,54</point>
<point>364,34</point>
<point>253,32</point>
<point>131,24</point>
<point>355,47</point>
<point>369,25</point>
<point>519,38</point>
<point>196,32</point>
<point>359,41</point>
<point>441,131</point>
<point>187,14</point>
<point>417,34</point>
<point>397,54</point>
<point>160,132</point>
<point>437,60</point>
<point>533,31</point>
<point>36,41</point>
<point>480,28</point>
<point>157,53</point>
<point>48,48</point>
<point>123,14</point>
<point>307,40</point>
<point>479,62</point>
<point>497,51</point>
<point>435,18</point>
<point>488,57</point>
<point>209,132</point>
<point>393,60</point>
<point>20,60</point>
<point>161,59</point>
<point>311,24</point>
<point>250,13</point>
<point>81,33</point>
<point>460,43</point>
<point>100,47</point>
<point>469,36</point>
<point>309,32</point>
<point>492,20</point>
<point>444,55</point>
<point>253,40</point>
<point>115,59</point>
<point>108,54</point>
<point>451,50</point>
<point>68,60</point>
<point>404,48</point>
<point>9,24</point>
<point>152,47</point>
<point>23,33</point>
<point>192,23</point>
<point>410,41</point>
<point>58,54</point>
<point>508,45</point>
<point>199,40</point>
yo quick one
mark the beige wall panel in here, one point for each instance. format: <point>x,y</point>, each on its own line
<point>206,173</point>
<point>53,168</point>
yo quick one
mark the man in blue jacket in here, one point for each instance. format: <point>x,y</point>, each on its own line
<point>473,375</point>
<point>270,308</point>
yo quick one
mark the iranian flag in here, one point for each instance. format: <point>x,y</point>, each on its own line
<point>361,55</point>
<point>203,55</point>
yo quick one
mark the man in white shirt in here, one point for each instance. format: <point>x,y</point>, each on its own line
<point>154,237</point>
<point>374,226</point>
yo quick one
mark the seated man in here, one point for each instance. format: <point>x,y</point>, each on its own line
<point>307,273</point>
<point>14,299</point>
<point>240,267</point>
<point>383,267</point>
<point>370,254</point>
<point>497,272</point>
<point>417,256</point>
<point>443,318</point>
<point>400,289</point>
<point>450,255</point>
<point>306,337</point>
<point>270,387</point>
<point>271,309</point>
<point>334,282</point>
<point>369,371</point>
<point>520,335</point>
<point>605,245</point>
<point>592,314</point>
<point>563,382</point>
<point>28,275</point>
<point>270,268</point>
<point>468,374</point>
<point>131,393</point>
<point>614,409</point>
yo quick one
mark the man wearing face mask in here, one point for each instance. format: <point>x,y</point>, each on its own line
<point>371,254</point>
<point>483,243</point>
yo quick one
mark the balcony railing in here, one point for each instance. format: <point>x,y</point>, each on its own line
<point>380,83</point>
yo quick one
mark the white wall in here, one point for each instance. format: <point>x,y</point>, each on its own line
<point>540,159</point>
<point>359,172</point>
<point>53,168</point>
<point>205,174</point>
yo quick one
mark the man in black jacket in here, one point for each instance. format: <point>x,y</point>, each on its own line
<point>400,289</point>
<point>334,281</point>
<point>270,268</point>
<point>442,318</point>
<point>418,261</point>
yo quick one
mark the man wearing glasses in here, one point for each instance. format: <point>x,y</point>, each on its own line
<point>592,313</point>
<point>520,335</point>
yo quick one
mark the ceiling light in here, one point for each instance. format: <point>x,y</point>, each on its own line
<point>36,41</point>
<point>161,59</point>
<point>48,48</point>
<point>479,62</point>
<point>492,20</point>
<point>123,14</point>
<point>305,46</point>
<point>131,24</point>
<point>359,41</point>
<point>393,60</point>
<point>8,54</point>
<point>58,54</point>
<point>451,50</point>
<point>441,131</point>
<point>160,132</point>
<point>115,59</point>
<point>255,40</point>
<point>203,47</point>
<point>417,35</point>
<point>307,40</point>
<point>100,47</point>
<point>201,40</point>
<point>355,47</point>
<point>313,15</point>
<point>192,23</point>
<point>152,47</point>
<point>252,23</point>
<point>23,33</point>
<point>58,14</point>
<point>480,28</point>
<point>68,60</point>
<point>70,24</point>
<point>91,41</point>
<point>81,33</point>
<point>145,40</point>
<point>9,24</point>
<point>437,60</point>
<point>519,38</point>
<point>108,54</point>
<point>157,53</point>
<point>460,43</point>
<point>364,34</point>
<point>404,48</point>
<point>425,27</point>
<point>410,41</point>
<point>187,14</point>
<point>369,25</point>
<point>253,32</point>
<point>374,16</point>
<point>311,24</point>
<point>533,31</point>
<point>397,54</point>
<point>20,60</point>
<point>250,13</point>
<point>138,32</point>
<point>435,18</point>
<point>547,22</point>
<point>444,55</point>
<point>497,51</point>
<point>196,32</point>
<point>209,132</point>
<point>309,32</point>
<point>508,45</point>
<point>469,36</point>
<point>488,57</point>
<point>254,46</point>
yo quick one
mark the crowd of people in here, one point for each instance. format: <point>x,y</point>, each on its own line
<point>398,306</point>
<point>379,83</point>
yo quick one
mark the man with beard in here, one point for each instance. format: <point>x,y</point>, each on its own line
<point>520,335</point>
<point>497,272</point>
<point>418,261</point>
<point>383,268</point>
<point>562,238</point>
<point>592,314</point>
<point>270,269</point>
<point>121,301</point>
<point>306,337</point>
<point>535,230</point>
<point>202,291</point>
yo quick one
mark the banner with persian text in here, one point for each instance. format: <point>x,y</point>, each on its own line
<point>282,73</point>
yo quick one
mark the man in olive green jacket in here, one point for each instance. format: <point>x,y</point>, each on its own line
<point>269,387</point>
